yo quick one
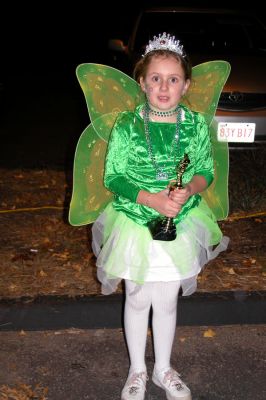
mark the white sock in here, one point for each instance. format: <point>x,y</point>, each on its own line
<point>137,307</point>
<point>164,305</point>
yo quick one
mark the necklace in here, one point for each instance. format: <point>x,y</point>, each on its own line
<point>160,173</point>
<point>163,113</point>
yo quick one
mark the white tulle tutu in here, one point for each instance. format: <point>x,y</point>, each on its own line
<point>126,250</point>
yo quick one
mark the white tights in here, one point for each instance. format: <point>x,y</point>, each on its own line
<point>162,297</point>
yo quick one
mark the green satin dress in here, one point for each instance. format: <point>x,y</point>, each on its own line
<point>121,240</point>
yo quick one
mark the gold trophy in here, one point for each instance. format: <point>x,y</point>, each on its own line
<point>163,228</point>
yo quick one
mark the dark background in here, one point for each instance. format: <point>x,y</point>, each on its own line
<point>51,37</point>
<point>42,108</point>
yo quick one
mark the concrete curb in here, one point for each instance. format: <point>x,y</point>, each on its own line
<point>51,312</point>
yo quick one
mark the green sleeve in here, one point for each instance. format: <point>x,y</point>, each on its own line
<point>116,179</point>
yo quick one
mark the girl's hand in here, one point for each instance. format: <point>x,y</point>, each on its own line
<point>170,203</point>
<point>162,203</point>
<point>180,196</point>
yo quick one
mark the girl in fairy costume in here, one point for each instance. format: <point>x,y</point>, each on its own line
<point>145,148</point>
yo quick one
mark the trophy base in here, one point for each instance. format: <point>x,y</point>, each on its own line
<point>162,229</point>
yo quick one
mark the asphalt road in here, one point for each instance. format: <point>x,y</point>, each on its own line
<point>77,364</point>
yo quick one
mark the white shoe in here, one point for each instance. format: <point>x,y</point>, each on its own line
<point>135,386</point>
<point>170,381</point>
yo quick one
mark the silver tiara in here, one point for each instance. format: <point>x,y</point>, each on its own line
<point>164,42</point>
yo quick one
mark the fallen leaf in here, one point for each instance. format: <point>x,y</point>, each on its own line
<point>250,261</point>
<point>22,333</point>
<point>231,271</point>
<point>73,331</point>
<point>182,339</point>
<point>225,269</point>
<point>46,240</point>
<point>77,267</point>
<point>63,256</point>
<point>226,285</point>
<point>42,273</point>
<point>209,333</point>
<point>88,256</point>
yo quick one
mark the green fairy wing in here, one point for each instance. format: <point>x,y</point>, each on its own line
<point>208,80</point>
<point>89,196</point>
<point>216,194</point>
<point>108,92</point>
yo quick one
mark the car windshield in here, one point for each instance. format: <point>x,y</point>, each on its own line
<point>198,32</point>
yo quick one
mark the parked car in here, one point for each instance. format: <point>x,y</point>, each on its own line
<point>235,36</point>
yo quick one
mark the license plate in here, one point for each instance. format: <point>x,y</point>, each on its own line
<point>240,132</point>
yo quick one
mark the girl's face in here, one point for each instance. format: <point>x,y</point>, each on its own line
<point>164,83</point>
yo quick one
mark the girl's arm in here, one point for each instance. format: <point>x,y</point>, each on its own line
<point>204,171</point>
<point>115,177</point>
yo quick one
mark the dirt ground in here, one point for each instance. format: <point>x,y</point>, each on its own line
<point>41,254</point>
